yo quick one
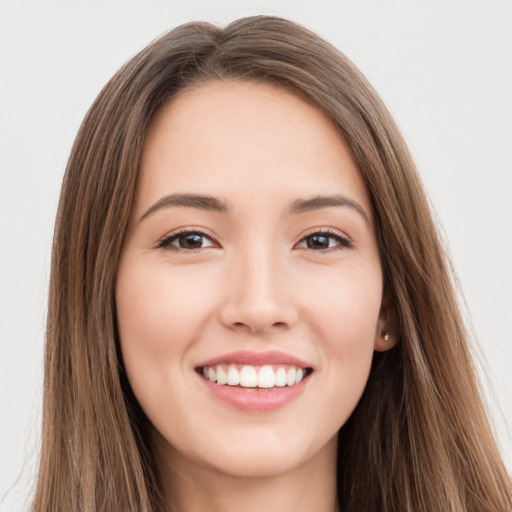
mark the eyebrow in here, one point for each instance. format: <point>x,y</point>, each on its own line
<point>318,202</point>
<point>201,202</point>
<point>213,204</point>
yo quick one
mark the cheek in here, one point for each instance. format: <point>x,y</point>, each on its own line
<point>156,305</point>
<point>344,306</point>
<point>160,314</point>
<point>344,315</point>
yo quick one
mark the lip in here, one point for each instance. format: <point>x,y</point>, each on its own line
<point>256,359</point>
<point>255,399</point>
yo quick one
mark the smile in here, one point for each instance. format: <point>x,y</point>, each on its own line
<point>249,376</point>
<point>255,382</point>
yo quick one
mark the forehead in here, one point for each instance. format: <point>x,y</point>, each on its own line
<point>233,138</point>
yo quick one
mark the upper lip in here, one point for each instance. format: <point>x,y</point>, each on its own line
<point>256,359</point>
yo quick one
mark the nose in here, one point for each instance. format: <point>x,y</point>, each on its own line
<point>258,297</point>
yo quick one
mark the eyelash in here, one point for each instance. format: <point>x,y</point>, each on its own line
<point>343,242</point>
<point>165,243</point>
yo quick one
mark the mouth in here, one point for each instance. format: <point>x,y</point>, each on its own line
<point>263,377</point>
<point>255,382</point>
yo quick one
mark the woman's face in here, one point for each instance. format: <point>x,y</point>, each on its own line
<point>250,260</point>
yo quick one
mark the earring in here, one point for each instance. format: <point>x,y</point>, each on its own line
<point>386,335</point>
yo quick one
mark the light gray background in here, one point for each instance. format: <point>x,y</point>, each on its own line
<point>444,68</point>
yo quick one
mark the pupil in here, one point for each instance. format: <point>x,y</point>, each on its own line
<point>318,242</point>
<point>191,241</point>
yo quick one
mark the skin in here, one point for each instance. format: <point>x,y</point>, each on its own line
<point>254,284</point>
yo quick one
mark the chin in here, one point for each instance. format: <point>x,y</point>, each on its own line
<point>255,462</point>
<point>265,455</point>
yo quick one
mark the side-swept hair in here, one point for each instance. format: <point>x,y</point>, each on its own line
<point>418,441</point>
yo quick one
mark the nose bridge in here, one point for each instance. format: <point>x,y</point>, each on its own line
<point>257,296</point>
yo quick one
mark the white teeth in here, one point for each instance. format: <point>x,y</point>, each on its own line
<point>290,376</point>
<point>250,377</point>
<point>222,378</point>
<point>280,377</point>
<point>266,378</point>
<point>233,376</point>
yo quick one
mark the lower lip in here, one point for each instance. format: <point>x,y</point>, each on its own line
<point>256,399</point>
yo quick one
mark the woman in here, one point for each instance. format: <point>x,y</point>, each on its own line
<point>249,305</point>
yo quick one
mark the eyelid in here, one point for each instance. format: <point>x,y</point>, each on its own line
<point>164,242</point>
<point>346,241</point>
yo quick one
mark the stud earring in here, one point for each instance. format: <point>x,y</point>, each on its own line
<point>385,335</point>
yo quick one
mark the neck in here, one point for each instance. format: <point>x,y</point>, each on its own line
<point>192,487</point>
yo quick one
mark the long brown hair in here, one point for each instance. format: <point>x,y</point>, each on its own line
<point>418,440</point>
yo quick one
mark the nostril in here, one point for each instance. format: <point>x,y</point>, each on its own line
<point>252,327</point>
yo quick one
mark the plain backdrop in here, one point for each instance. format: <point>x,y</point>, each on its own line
<point>443,67</point>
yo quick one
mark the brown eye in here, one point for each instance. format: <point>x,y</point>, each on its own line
<point>321,241</point>
<point>190,240</point>
<point>318,242</point>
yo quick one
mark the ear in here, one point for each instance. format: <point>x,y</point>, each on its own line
<point>386,333</point>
